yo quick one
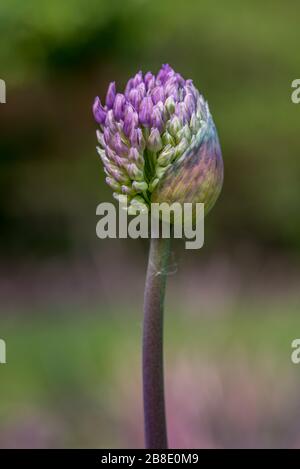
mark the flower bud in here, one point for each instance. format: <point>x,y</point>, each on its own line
<point>174,126</point>
<point>166,155</point>
<point>103,156</point>
<point>127,190</point>
<point>135,98</point>
<point>181,147</point>
<point>135,157</point>
<point>112,183</point>
<point>119,105</point>
<point>149,80</point>
<point>120,147</point>
<point>128,88</point>
<point>168,139</point>
<point>134,172</point>
<point>158,94</point>
<point>145,113</point>
<point>157,120</point>
<point>110,121</point>
<point>154,141</point>
<point>99,111</point>
<point>189,102</point>
<point>110,96</point>
<point>137,139</point>
<point>138,79</point>
<point>140,186</point>
<point>158,142</point>
<point>130,120</point>
<point>100,138</point>
<point>170,104</point>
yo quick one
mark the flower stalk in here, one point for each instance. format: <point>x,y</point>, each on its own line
<point>158,144</point>
<point>153,371</point>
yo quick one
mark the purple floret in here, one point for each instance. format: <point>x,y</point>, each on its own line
<point>142,103</point>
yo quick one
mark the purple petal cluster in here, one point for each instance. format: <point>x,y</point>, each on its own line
<point>145,129</point>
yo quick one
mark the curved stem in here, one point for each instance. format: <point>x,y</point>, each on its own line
<point>153,376</point>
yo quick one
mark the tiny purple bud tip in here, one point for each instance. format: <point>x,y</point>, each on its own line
<point>141,88</point>
<point>119,106</point>
<point>157,120</point>
<point>163,74</point>
<point>128,88</point>
<point>172,90</point>
<point>136,139</point>
<point>133,155</point>
<point>130,120</point>
<point>145,113</point>
<point>182,112</point>
<point>154,141</point>
<point>111,94</point>
<point>107,135</point>
<point>190,105</point>
<point>120,148</point>
<point>99,111</point>
<point>134,98</point>
<point>137,79</point>
<point>149,80</point>
<point>110,121</point>
<point>158,94</point>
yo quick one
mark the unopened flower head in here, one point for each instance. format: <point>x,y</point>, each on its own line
<point>158,142</point>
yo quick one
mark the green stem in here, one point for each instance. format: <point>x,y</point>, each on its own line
<point>153,376</point>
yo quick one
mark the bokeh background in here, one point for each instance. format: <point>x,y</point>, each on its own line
<point>71,305</point>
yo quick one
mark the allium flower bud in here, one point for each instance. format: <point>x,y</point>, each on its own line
<point>158,142</point>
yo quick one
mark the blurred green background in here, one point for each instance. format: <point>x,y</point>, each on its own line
<point>71,305</point>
